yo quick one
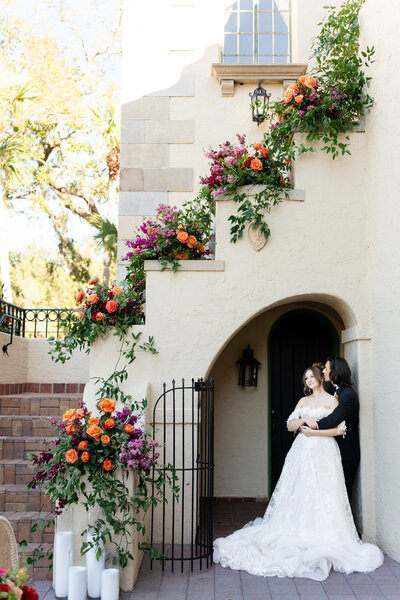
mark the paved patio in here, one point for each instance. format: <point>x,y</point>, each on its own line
<point>217,583</point>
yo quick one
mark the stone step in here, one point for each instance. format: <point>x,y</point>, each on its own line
<point>16,471</point>
<point>18,498</point>
<point>22,523</point>
<point>38,404</point>
<point>22,447</point>
<point>26,426</point>
<point>40,569</point>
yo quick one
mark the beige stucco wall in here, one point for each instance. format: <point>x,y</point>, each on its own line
<point>335,248</point>
<point>29,361</point>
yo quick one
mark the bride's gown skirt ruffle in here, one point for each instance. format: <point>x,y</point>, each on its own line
<point>308,526</point>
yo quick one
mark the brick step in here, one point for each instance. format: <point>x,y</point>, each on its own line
<point>40,569</point>
<point>22,447</point>
<point>26,426</point>
<point>37,404</point>
<point>18,498</point>
<point>22,523</point>
<point>16,470</point>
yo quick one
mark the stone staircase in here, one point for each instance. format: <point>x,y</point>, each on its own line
<point>24,426</point>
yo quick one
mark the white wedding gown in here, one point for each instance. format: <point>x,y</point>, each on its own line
<point>308,527</point>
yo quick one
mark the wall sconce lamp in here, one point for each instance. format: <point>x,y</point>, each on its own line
<point>248,368</point>
<point>259,101</point>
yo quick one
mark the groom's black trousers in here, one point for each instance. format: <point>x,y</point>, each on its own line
<point>350,471</point>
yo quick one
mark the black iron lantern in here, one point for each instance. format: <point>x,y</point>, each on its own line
<point>248,368</point>
<point>259,102</point>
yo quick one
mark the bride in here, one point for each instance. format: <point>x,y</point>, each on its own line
<point>308,527</point>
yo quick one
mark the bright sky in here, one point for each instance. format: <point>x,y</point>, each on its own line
<point>27,226</point>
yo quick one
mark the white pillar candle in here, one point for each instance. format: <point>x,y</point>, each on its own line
<point>77,583</point>
<point>63,545</point>
<point>110,584</point>
<point>94,568</point>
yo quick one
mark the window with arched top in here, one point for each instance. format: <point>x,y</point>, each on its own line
<point>257,31</point>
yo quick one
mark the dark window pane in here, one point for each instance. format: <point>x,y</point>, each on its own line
<point>279,21</point>
<point>230,46</point>
<point>245,43</point>
<point>246,21</point>
<point>265,22</point>
<point>265,43</point>
<point>231,22</point>
<point>246,4</point>
<point>281,43</point>
<point>265,4</point>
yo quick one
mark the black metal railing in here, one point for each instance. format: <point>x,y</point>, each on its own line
<point>32,322</point>
<point>183,425</point>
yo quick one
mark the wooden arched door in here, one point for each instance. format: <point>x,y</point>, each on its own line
<point>298,339</point>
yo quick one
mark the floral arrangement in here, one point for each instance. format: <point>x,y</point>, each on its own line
<point>173,235</point>
<point>13,585</point>
<point>79,466</point>
<point>99,310</point>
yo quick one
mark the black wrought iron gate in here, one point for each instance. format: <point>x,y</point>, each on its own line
<point>183,425</point>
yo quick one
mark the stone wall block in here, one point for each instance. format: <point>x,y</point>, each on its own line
<point>147,107</point>
<point>132,131</point>
<point>174,180</point>
<point>140,203</point>
<point>144,155</point>
<point>131,180</point>
<point>169,132</point>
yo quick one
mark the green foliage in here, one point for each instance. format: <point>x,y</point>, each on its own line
<point>325,106</point>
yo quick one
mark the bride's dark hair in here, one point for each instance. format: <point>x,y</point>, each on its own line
<point>317,372</point>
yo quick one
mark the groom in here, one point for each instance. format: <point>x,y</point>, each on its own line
<point>337,371</point>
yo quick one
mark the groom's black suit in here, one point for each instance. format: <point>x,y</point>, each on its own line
<point>349,446</point>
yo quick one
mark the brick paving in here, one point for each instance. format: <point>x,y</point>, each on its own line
<point>217,583</point>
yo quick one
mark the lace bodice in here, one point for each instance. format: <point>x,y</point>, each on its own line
<point>316,413</point>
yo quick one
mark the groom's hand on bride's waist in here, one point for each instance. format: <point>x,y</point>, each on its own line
<point>311,423</point>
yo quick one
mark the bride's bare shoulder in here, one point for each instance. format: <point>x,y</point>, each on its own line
<point>302,402</point>
<point>331,401</point>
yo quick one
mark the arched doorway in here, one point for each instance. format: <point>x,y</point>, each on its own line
<point>297,339</point>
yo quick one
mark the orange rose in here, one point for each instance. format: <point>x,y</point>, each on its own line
<point>94,421</point>
<point>107,405</point>
<point>298,99</point>
<point>80,315</point>
<point>80,297</point>
<point>264,152</point>
<point>201,248</point>
<point>94,431</point>
<point>111,306</point>
<point>184,256</point>
<point>85,457</point>
<point>69,415</point>
<point>288,94</point>
<point>93,281</point>
<point>256,164</point>
<point>181,227</point>
<point>70,429</point>
<point>109,424</point>
<point>182,236</point>
<point>99,316</point>
<point>257,145</point>
<point>107,465</point>
<point>278,117</point>
<point>302,78</point>
<point>192,241</point>
<point>310,82</point>
<point>105,439</point>
<point>83,444</point>
<point>93,298</point>
<point>293,87</point>
<point>79,412</point>
<point>116,289</point>
<point>71,456</point>
<point>128,428</point>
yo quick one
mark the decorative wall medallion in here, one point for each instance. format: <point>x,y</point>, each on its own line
<point>256,237</point>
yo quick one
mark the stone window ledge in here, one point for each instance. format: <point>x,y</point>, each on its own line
<point>189,265</point>
<point>227,75</point>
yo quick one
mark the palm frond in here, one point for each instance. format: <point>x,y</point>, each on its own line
<point>107,236</point>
